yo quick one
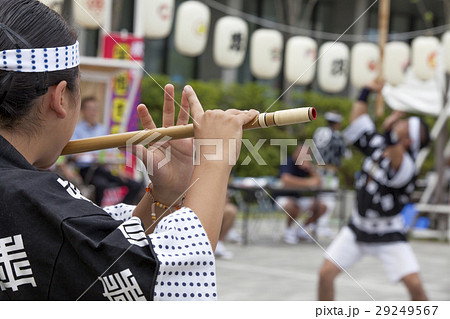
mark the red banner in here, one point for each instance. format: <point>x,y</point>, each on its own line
<point>118,46</point>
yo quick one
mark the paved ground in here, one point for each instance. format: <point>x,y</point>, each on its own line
<point>268,269</point>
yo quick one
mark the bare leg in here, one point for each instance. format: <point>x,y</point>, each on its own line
<point>318,210</point>
<point>293,211</point>
<point>328,272</point>
<point>415,287</point>
<point>229,215</point>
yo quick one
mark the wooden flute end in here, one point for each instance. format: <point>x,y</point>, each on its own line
<point>283,117</point>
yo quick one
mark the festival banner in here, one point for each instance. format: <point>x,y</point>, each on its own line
<point>125,91</point>
<point>125,86</point>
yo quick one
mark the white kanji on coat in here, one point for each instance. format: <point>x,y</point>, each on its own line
<point>132,230</point>
<point>122,286</point>
<point>72,190</point>
<point>15,268</point>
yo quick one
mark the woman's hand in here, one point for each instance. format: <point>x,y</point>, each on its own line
<point>209,182</point>
<point>205,182</point>
<point>217,132</point>
<point>169,163</point>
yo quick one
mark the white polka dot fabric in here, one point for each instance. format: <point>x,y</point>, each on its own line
<point>121,212</point>
<point>187,266</point>
<point>40,60</point>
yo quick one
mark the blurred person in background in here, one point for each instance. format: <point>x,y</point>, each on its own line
<point>93,172</point>
<point>331,145</point>
<point>387,180</point>
<point>301,174</point>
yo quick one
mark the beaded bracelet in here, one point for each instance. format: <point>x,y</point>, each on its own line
<point>156,203</point>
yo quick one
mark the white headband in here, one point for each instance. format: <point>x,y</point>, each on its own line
<point>414,134</point>
<point>333,117</point>
<point>40,60</point>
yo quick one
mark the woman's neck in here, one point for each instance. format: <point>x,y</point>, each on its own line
<point>24,144</point>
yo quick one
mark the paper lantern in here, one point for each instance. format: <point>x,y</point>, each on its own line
<point>395,62</point>
<point>424,57</point>
<point>364,64</point>
<point>191,28</point>
<point>56,5</point>
<point>90,13</point>
<point>266,48</point>
<point>446,47</point>
<point>157,18</point>
<point>230,42</point>
<point>332,71</point>
<point>299,60</point>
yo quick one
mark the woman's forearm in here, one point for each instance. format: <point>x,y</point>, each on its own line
<point>207,195</point>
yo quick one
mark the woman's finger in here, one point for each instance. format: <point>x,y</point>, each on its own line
<point>250,115</point>
<point>183,115</point>
<point>243,116</point>
<point>194,104</point>
<point>145,117</point>
<point>169,106</point>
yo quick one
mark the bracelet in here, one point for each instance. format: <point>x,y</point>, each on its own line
<point>156,203</point>
<point>364,95</point>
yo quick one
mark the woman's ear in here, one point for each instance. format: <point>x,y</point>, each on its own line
<point>59,100</point>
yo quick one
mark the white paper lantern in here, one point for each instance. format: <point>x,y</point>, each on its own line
<point>332,73</point>
<point>424,57</point>
<point>191,28</point>
<point>90,13</point>
<point>157,18</point>
<point>395,62</point>
<point>266,47</point>
<point>364,64</point>
<point>446,47</point>
<point>230,42</point>
<point>56,5</point>
<point>300,60</point>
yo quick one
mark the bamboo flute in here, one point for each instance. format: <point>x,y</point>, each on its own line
<point>278,118</point>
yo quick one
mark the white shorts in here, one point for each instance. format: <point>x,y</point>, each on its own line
<point>397,257</point>
<point>304,203</point>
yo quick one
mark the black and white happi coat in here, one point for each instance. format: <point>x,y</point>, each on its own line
<point>57,245</point>
<point>382,192</point>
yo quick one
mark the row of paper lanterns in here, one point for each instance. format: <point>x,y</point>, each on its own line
<point>336,62</point>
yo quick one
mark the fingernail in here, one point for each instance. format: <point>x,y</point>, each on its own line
<point>187,88</point>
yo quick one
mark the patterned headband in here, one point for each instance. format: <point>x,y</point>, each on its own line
<point>333,117</point>
<point>40,60</point>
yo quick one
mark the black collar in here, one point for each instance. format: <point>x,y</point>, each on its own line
<point>10,156</point>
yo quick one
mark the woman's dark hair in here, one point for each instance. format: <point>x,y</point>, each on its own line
<point>31,24</point>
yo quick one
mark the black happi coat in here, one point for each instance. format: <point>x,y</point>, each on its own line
<point>381,191</point>
<point>56,245</point>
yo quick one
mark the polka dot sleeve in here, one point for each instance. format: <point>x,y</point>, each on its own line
<point>121,212</point>
<point>187,265</point>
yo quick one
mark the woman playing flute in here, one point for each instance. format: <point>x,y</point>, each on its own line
<point>57,245</point>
